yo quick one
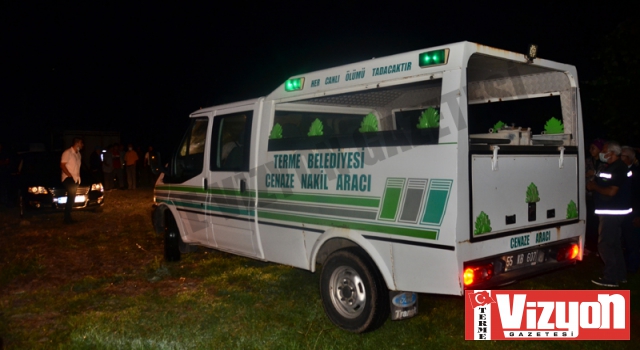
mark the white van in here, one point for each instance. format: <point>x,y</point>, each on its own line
<point>458,166</point>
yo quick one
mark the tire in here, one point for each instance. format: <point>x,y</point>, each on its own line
<point>174,247</point>
<point>172,241</point>
<point>354,295</point>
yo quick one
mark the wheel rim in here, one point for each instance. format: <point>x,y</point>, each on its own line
<point>348,293</point>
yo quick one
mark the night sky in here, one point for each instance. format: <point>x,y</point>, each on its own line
<point>141,69</point>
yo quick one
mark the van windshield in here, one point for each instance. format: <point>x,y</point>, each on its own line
<point>188,161</point>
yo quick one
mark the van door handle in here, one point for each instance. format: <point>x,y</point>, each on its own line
<point>206,184</point>
<point>494,159</point>
<point>243,186</point>
<point>561,160</point>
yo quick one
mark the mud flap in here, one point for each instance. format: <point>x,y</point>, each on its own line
<point>403,305</point>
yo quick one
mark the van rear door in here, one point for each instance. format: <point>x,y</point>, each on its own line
<point>523,146</point>
<point>512,191</point>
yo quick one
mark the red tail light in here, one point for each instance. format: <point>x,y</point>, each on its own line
<point>568,253</point>
<point>476,274</point>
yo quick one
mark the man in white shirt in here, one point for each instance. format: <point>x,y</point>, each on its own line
<point>70,165</point>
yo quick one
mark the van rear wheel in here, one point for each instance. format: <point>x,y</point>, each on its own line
<point>353,293</point>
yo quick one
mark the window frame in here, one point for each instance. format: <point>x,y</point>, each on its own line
<point>177,158</point>
<point>215,147</point>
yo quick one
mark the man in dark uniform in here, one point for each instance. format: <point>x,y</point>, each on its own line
<point>613,203</point>
<point>631,224</point>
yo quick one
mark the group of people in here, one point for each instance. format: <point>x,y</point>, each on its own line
<point>111,165</point>
<point>613,220</point>
<point>118,166</point>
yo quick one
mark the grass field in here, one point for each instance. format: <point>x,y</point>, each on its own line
<point>102,284</point>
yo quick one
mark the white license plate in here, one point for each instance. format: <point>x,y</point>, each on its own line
<point>79,199</point>
<point>524,259</point>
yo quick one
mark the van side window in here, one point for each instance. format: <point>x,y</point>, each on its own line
<point>410,119</point>
<point>299,124</point>
<point>405,115</point>
<point>189,160</point>
<point>231,142</point>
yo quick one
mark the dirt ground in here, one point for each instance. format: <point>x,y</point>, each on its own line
<point>96,245</point>
<point>39,255</point>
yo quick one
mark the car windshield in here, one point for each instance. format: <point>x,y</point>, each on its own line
<point>44,167</point>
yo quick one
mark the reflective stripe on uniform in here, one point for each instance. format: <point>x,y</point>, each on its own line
<point>613,211</point>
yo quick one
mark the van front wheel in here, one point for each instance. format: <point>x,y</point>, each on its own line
<point>353,293</point>
<point>174,246</point>
<point>172,241</point>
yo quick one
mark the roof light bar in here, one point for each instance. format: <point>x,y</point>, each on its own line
<point>433,58</point>
<point>294,84</point>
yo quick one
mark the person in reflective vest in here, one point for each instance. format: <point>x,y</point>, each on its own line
<point>612,189</point>
<point>631,225</point>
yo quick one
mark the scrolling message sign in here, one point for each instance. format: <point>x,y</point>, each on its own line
<point>547,315</point>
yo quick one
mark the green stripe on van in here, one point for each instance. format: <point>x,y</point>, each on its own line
<point>437,198</point>
<point>219,191</point>
<point>391,199</point>
<point>394,230</point>
<point>370,202</point>
<point>216,209</point>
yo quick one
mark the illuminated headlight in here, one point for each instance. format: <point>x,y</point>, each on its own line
<point>38,190</point>
<point>97,187</point>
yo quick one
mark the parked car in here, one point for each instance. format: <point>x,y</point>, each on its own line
<point>41,186</point>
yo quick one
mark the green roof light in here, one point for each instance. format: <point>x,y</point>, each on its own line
<point>294,84</point>
<point>433,58</point>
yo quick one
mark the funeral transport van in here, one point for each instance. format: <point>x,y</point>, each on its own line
<point>432,171</point>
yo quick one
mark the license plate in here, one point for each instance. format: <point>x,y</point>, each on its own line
<point>79,199</point>
<point>524,259</point>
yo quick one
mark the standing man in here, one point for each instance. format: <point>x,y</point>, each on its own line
<point>150,160</point>
<point>70,165</point>
<point>130,160</point>
<point>107,169</point>
<point>96,163</point>
<point>631,224</point>
<point>117,157</point>
<point>613,203</point>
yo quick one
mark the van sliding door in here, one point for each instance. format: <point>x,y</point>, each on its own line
<point>230,200</point>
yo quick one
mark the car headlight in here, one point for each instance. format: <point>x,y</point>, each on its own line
<point>38,190</point>
<point>97,187</point>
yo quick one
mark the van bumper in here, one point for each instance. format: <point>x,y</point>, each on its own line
<point>506,268</point>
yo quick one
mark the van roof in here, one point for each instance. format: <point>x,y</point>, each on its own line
<point>392,70</point>
<point>224,106</point>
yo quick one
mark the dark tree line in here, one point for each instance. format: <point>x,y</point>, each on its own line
<point>611,100</point>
